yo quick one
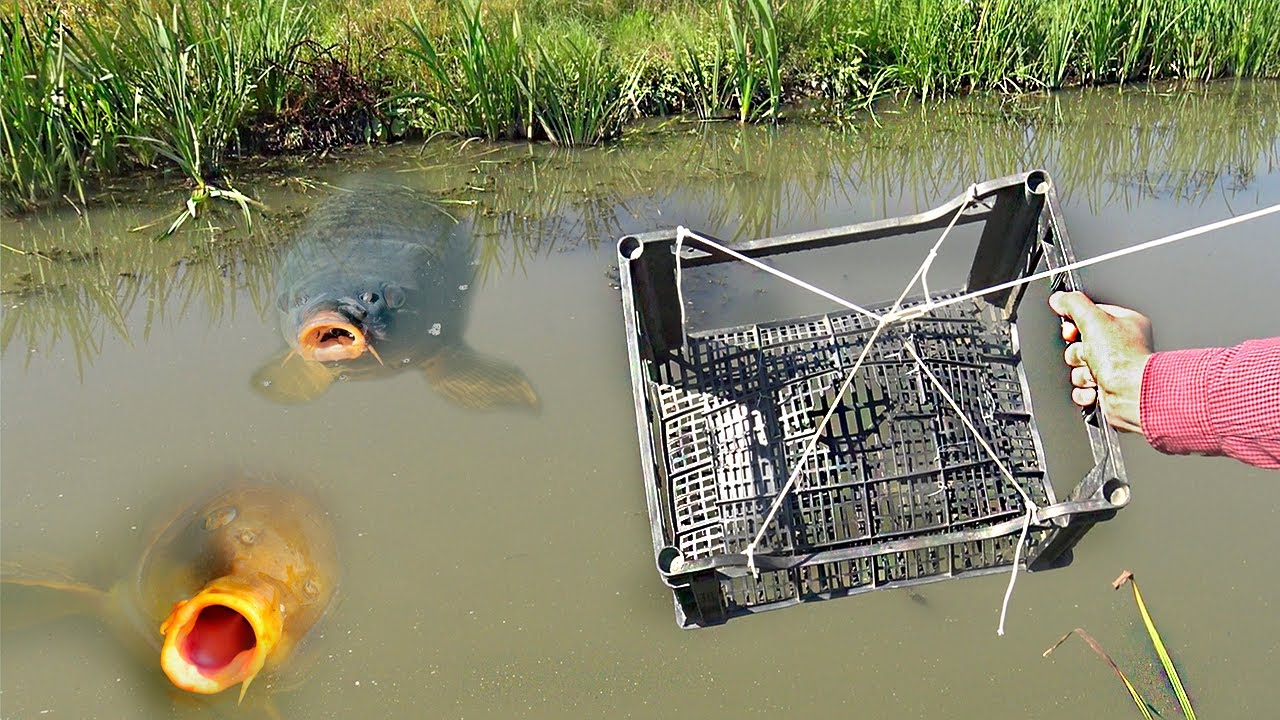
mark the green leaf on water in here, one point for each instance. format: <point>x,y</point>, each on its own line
<point>1158,643</point>
<point>1143,706</point>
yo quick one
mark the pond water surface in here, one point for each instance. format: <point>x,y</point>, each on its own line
<point>498,563</point>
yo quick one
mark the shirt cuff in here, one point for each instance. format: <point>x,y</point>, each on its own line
<point>1174,405</point>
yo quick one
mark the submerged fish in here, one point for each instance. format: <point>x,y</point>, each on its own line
<point>379,281</point>
<point>233,583</point>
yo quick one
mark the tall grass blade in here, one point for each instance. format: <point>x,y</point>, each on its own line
<point>1158,643</point>
<point>764,37</point>
<point>744,67</point>
<point>1138,700</point>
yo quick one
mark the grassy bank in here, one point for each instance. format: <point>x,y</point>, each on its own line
<point>92,89</point>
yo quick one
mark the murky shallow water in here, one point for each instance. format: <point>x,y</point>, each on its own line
<point>499,564</point>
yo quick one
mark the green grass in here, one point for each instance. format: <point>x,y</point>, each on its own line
<point>475,71</point>
<point>39,157</point>
<point>156,83</point>
<point>1144,706</point>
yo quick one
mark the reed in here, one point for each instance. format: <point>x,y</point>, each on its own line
<point>709,91</point>
<point>181,85</point>
<point>1144,706</point>
<point>112,90</point>
<point>755,59</point>
<point>577,95</point>
<point>40,155</point>
<point>475,69</point>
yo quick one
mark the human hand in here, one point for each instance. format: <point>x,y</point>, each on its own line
<point>1108,351</point>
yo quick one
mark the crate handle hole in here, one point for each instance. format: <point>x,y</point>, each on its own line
<point>1037,183</point>
<point>1116,492</point>
<point>630,248</point>
<point>670,560</point>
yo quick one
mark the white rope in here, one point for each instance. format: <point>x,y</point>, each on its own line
<point>898,314</point>
<point>922,272</point>
<point>683,232</point>
<point>969,424</point>
<point>804,456</point>
<point>684,333</point>
<point>1028,503</point>
<point>917,310</point>
<point>848,382</point>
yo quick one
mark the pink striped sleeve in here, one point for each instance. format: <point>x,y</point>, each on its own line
<point>1217,401</point>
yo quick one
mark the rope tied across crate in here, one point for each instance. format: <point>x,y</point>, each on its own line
<point>900,315</point>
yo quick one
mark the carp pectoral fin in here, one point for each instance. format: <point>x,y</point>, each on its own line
<point>472,380</point>
<point>288,378</point>
<point>33,596</point>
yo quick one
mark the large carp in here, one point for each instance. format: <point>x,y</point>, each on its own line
<point>380,281</point>
<point>233,583</point>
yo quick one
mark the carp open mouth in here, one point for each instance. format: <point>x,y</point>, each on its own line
<point>217,638</point>
<point>329,336</point>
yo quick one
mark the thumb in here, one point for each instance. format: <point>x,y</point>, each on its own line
<point>1080,309</point>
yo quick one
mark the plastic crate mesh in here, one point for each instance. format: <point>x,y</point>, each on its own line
<point>736,408</point>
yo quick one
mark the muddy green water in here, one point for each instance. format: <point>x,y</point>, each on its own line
<point>499,564</point>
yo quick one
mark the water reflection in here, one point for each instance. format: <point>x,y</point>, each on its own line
<point>500,566</point>
<point>380,282</point>
<point>1105,147</point>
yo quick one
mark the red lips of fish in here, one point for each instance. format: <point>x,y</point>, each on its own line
<point>328,336</point>
<point>221,636</point>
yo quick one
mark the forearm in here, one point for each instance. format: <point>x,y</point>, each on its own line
<point>1216,401</point>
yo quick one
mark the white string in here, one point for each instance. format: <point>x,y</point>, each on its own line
<point>969,424</point>
<point>804,456</point>
<point>682,232</point>
<point>684,333</point>
<point>897,314</point>
<point>917,310</point>
<point>1028,503</point>
<point>848,382</point>
<point>922,272</point>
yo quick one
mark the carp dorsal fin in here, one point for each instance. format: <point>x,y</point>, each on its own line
<point>289,378</point>
<point>475,381</point>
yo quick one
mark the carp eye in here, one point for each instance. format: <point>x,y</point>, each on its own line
<point>393,295</point>
<point>369,298</point>
<point>219,518</point>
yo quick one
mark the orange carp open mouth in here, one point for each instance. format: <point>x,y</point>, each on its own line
<point>328,336</point>
<point>217,639</point>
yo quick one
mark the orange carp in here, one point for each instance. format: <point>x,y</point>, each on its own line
<point>233,584</point>
<point>266,568</point>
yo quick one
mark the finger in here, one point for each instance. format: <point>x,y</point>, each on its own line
<point>1074,355</point>
<point>1070,332</point>
<point>1080,309</point>
<point>1082,377</point>
<point>1084,397</point>
<point>1123,313</point>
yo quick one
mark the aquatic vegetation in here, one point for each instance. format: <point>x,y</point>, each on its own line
<point>39,152</point>
<point>1171,672</point>
<point>475,70</point>
<point>128,85</point>
<point>190,85</point>
<point>577,95</point>
<point>753,33</point>
<point>527,200</point>
<point>493,79</point>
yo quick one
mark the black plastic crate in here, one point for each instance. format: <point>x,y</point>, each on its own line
<point>897,491</point>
